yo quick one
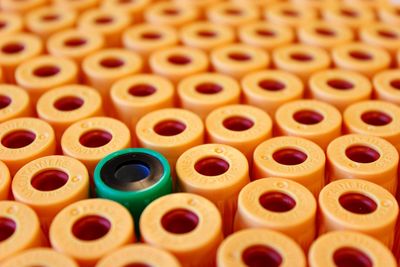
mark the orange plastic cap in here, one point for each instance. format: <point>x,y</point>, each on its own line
<point>253,246</point>
<point>90,229</point>
<point>363,157</point>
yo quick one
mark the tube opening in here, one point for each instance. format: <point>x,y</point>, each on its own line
<point>238,56</point>
<point>169,128</point>
<point>142,90</point>
<point>90,228</point>
<point>260,255</point>
<point>357,203</point>
<point>111,63</point>
<point>208,88</point>
<point>69,103</point>
<point>362,154</point>
<point>104,20</point>
<point>395,84</point>
<point>46,71</point>
<point>289,156</point>
<point>5,101</point>
<point>207,34</point>
<point>171,11</point>
<point>233,12</point>
<point>325,32</point>
<point>277,202</point>
<point>271,85</point>
<point>340,84</point>
<point>376,118</point>
<point>151,35</point>
<point>387,34</point>
<point>49,180</point>
<point>179,60</point>
<point>308,117</point>
<point>180,221</point>
<point>290,13</point>
<point>50,17</point>
<point>349,13</point>
<point>7,228</point>
<point>211,166</point>
<point>18,139</point>
<point>75,42</point>
<point>95,138</point>
<point>12,48</point>
<point>302,57</point>
<point>265,33</point>
<point>238,123</point>
<point>360,55</point>
<point>351,257</point>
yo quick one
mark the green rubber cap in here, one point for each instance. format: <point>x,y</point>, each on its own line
<point>133,177</point>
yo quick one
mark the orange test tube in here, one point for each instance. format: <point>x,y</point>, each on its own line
<point>74,44</point>
<point>232,14</point>
<point>41,74</point>
<point>281,205</point>
<point>301,60</point>
<point>23,140</point>
<point>252,247</point>
<point>90,229</point>
<point>352,16</point>
<point>314,120</point>
<point>92,139</point>
<point>293,158</point>
<point>10,23</point>
<point>104,67</point>
<point>363,157</point>
<point>386,86</point>
<point>15,49</point>
<point>361,57</point>
<point>108,22</point>
<point>269,89</point>
<point>147,38</point>
<point>382,35</point>
<point>265,35</point>
<point>217,172</point>
<point>21,8</point>
<point>358,205</point>
<point>139,255</point>
<point>170,131</point>
<point>290,15</point>
<point>187,225</point>
<point>178,62</point>
<point>202,93</point>
<point>237,60</point>
<point>49,184</point>
<point>45,21</point>
<point>206,35</point>
<point>340,88</point>
<point>324,34</point>
<point>374,117</point>
<point>19,228</point>
<point>171,14</point>
<point>241,126</point>
<point>65,105</point>
<point>137,95</point>
<point>341,248</point>
<point>14,102</point>
<point>38,257</point>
